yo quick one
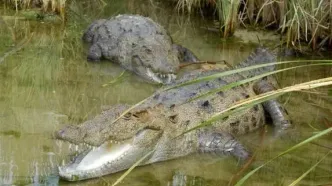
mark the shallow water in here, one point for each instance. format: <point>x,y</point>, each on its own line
<point>48,84</point>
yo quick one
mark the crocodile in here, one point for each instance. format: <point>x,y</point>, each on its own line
<point>157,124</point>
<point>138,44</point>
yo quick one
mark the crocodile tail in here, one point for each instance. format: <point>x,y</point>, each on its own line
<point>261,55</point>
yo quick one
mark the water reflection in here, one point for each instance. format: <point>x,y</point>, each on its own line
<point>49,84</point>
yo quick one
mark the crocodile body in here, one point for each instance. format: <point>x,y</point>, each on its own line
<point>156,124</point>
<point>138,44</point>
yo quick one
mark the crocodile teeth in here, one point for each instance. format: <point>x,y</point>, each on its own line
<point>169,78</point>
<point>153,76</point>
<point>173,76</point>
<point>160,78</point>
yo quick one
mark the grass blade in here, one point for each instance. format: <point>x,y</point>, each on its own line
<point>238,70</point>
<point>241,82</point>
<point>129,109</point>
<point>308,171</point>
<point>115,80</point>
<point>132,168</point>
<point>314,137</point>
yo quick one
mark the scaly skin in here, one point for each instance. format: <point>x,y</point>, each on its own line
<point>139,45</point>
<point>157,123</point>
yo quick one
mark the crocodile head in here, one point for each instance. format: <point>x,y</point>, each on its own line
<point>111,156</point>
<point>155,59</point>
<point>118,146</point>
<point>137,43</point>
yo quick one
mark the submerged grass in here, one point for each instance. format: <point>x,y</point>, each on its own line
<point>115,80</point>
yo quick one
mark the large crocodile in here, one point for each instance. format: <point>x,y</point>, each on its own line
<point>156,124</point>
<point>138,44</point>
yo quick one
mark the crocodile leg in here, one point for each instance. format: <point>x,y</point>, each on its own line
<point>185,55</point>
<point>276,111</point>
<point>221,143</point>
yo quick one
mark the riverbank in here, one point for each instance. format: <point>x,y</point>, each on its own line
<point>301,23</point>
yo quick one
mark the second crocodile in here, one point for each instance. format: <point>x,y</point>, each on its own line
<point>139,45</point>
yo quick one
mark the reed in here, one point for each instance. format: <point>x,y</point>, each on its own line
<point>300,21</point>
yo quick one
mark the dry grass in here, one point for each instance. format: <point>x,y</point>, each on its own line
<point>300,20</point>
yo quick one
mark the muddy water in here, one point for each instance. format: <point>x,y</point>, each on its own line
<point>48,84</point>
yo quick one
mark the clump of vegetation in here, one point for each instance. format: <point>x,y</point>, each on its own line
<point>299,20</point>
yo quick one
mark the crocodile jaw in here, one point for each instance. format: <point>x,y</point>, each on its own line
<point>159,77</point>
<point>111,157</point>
<point>96,162</point>
<point>164,73</point>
